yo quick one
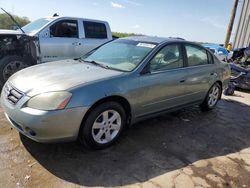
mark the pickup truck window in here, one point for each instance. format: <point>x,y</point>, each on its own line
<point>64,28</point>
<point>95,30</point>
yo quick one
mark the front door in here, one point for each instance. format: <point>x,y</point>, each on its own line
<point>61,43</point>
<point>164,87</point>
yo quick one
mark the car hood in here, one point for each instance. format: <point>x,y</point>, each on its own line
<point>13,32</point>
<point>58,76</point>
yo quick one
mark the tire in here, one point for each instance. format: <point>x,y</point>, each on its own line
<point>9,65</point>
<point>98,133</point>
<point>229,90</point>
<point>212,97</point>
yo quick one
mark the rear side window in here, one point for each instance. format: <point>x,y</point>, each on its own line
<point>196,56</point>
<point>95,30</point>
<point>64,28</point>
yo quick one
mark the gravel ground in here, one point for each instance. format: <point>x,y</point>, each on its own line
<point>187,148</point>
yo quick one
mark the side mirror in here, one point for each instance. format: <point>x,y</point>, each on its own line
<point>146,70</point>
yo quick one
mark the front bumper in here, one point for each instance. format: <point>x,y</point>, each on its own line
<point>44,126</point>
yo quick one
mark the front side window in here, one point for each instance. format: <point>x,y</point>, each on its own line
<point>121,54</point>
<point>64,28</point>
<point>95,30</point>
<point>196,56</point>
<point>167,58</point>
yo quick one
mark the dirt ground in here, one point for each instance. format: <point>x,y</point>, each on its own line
<point>187,148</point>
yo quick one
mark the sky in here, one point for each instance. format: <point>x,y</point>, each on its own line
<point>194,20</point>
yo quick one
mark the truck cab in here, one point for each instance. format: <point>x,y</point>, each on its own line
<point>49,39</point>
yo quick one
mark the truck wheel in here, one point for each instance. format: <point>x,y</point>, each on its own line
<point>9,65</point>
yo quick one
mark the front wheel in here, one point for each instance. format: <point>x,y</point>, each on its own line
<point>212,97</point>
<point>9,65</point>
<point>103,125</point>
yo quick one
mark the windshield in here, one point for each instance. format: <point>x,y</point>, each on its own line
<point>35,25</point>
<point>121,54</point>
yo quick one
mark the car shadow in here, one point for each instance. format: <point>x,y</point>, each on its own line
<point>150,148</point>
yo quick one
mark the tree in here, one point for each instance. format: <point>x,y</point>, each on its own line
<point>7,23</point>
<point>120,35</point>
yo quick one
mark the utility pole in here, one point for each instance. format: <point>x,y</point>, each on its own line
<point>231,22</point>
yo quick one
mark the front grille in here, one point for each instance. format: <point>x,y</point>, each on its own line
<point>12,94</point>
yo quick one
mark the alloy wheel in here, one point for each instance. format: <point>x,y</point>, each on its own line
<point>106,126</point>
<point>213,96</point>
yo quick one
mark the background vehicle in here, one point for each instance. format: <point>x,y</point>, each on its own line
<point>241,56</point>
<point>49,39</point>
<point>240,68</point>
<point>220,52</point>
<point>120,83</point>
<point>240,76</point>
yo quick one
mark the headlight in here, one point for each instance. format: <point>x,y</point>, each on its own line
<point>50,101</point>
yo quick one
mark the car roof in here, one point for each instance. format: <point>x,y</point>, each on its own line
<point>153,39</point>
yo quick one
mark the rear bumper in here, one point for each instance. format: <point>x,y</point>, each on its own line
<point>44,126</point>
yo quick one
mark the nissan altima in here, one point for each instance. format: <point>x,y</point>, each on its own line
<point>93,98</point>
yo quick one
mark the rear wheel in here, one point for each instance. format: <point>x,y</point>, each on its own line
<point>103,125</point>
<point>212,97</point>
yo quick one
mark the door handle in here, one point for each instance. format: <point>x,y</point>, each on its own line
<point>182,81</point>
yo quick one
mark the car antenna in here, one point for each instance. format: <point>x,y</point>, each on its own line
<point>13,19</point>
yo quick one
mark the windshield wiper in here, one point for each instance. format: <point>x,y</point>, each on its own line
<point>97,64</point>
<point>104,66</point>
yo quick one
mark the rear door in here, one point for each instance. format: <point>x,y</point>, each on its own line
<point>201,72</point>
<point>164,87</point>
<point>62,41</point>
<point>93,34</point>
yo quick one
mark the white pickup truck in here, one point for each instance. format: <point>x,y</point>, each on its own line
<point>49,39</point>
